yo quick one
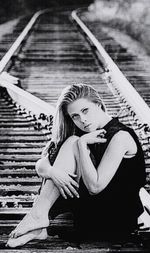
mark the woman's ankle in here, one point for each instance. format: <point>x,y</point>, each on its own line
<point>39,214</point>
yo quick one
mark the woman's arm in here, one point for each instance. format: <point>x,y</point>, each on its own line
<point>62,173</point>
<point>96,180</point>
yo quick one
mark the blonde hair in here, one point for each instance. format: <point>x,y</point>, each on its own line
<point>63,126</point>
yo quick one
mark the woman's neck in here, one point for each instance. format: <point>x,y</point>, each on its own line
<point>107,118</point>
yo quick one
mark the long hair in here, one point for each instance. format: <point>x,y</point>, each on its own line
<point>63,126</point>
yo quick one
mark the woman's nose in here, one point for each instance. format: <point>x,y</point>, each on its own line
<point>83,118</point>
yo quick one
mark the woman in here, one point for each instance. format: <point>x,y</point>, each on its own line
<point>94,162</point>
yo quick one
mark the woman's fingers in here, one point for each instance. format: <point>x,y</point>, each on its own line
<point>67,185</point>
<point>72,181</point>
<point>100,139</point>
<point>100,136</point>
<point>65,192</point>
<point>101,131</point>
<point>68,190</point>
<point>72,175</point>
<point>74,191</point>
<point>62,193</point>
<point>97,136</point>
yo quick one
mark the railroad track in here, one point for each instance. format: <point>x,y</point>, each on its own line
<point>53,55</point>
<point>8,39</point>
<point>134,66</point>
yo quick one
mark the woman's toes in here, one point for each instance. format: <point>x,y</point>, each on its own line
<point>40,234</point>
<point>12,234</point>
<point>29,223</point>
<point>12,243</point>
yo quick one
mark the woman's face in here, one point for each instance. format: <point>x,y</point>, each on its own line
<point>85,114</point>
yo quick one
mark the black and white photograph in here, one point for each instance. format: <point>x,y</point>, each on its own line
<point>74,126</point>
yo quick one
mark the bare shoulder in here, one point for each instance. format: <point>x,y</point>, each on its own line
<point>125,140</point>
<point>72,139</point>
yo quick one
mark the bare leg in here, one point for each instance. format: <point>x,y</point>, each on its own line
<point>38,216</point>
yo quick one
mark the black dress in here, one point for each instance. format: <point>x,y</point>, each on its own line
<point>113,212</point>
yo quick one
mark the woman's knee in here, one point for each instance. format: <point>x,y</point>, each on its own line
<point>41,166</point>
<point>37,166</point>
<point>70,144</point>
<point>66,156</point>
<point>72,139</point>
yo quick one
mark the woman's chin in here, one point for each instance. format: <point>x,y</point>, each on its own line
<point>92,129</point>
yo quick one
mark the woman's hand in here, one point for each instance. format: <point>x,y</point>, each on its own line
<point>97,136</point>
<point>65,183</point>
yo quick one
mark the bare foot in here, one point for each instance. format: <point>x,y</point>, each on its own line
<point>40,234</point>
<point>30,222</point>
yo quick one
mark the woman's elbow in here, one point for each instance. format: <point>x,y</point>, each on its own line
<point>39,167</point>
<point>94,190</point>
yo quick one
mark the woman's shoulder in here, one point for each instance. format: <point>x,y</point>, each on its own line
<point>124,140</point>
<point>122,136</point>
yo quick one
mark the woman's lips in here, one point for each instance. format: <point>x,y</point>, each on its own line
<point>87,126</point>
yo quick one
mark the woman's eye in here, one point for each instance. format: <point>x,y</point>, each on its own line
<point>75,117</point>
<point>85,110</point>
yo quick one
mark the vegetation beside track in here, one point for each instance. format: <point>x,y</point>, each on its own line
<point>131,17</point>
<point>13,9</point>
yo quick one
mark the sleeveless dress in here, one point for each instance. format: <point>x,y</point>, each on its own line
<point>113,212</point>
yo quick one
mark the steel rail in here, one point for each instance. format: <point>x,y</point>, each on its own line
<point>119,80</point>
<point>26,99</point>
<point>6,58</point>
<point>23,98</point>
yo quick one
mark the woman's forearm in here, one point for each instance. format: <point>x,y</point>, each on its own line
<point>88,171</point>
